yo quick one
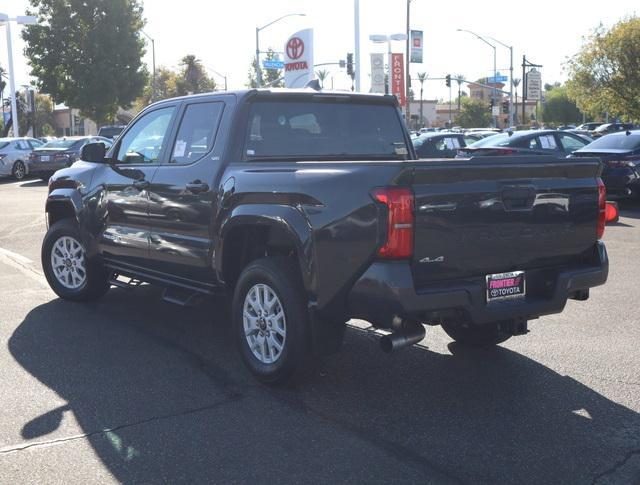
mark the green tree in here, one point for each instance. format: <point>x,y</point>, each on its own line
<point>87,53</point>
<point>322,74</point>
<point>270,77</point>
<point>473,114</point>
<point>604,76</point>
<point>43,116</point>
<point>559,108</point>
<point>193,79</point>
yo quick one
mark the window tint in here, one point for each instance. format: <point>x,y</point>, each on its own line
<point>317,129</point>
<point>143,142</point>
<point>570,143</point>
<point>620,141</point>
<point>35,143</point>
<point>196,133</point>
<point>22,145</point>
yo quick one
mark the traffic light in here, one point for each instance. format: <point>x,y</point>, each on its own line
<point>505,107</point>
<point>350,71</point>
<point>448,80</point>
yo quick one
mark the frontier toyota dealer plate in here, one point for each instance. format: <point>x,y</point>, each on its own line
<point>505,286</point>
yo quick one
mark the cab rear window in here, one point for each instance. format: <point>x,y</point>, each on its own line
<point>324,130</point>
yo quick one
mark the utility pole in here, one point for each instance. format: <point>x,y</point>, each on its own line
<point>356,46</point>
<point>408,63</point>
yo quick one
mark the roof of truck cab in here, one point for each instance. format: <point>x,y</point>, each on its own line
<point>288,93</point>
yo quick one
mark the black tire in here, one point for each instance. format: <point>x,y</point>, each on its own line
<point>19,170</point>
<point>295,360</point>
<point>477,336</point>
<point>96,282</point>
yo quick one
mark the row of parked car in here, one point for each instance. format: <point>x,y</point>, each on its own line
<point>20,157</point>
<point>619,151</point>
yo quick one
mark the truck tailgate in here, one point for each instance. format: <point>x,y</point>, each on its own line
<point>493,215</point>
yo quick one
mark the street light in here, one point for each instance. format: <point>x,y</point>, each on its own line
<point>22,20</point>
<point>153,61</point>
<point>495,71</point>
<point>381,39</point>
<point>258,29</point>
<point>511,105</point>
<point>219,75</point>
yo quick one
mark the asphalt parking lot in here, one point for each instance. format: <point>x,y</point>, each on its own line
<point>132,389</point>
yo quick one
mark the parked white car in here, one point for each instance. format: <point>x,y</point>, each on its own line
<point>14,156</point>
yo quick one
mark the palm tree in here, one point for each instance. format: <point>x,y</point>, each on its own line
<point>516,83</point>
<point>322,75</point>
<point>422,77</point>
<point>459,79</point>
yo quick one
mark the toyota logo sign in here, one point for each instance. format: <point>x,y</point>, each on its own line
<point>295,48</point>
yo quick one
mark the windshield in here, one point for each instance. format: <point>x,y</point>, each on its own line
<point>616,142</point>
<point>324,129</point>
<point>62,144</point>
<point>604,127</point>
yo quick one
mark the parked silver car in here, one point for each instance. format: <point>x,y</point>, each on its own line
<point>14,156</point>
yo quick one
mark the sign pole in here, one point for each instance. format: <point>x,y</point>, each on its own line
<point>356,47</point>
<point>408,61</point>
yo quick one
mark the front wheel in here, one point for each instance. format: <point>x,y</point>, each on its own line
<point>19,170</point>
<point>69,272</point>
<point>271,321</point>
<point>470,335</point>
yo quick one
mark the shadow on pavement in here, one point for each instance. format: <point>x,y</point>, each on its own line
<point>162,395</point>
<point>34,183</point>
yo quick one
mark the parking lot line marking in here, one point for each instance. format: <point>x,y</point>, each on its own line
<point>22,264</point>
<point>19,258</point>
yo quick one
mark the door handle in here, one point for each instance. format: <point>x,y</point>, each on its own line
<point>141,184</point>
<point>197,187</point>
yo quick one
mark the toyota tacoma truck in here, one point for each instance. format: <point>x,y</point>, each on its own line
<point>310,208</point>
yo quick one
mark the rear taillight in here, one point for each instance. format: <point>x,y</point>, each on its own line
<point>602,208</point>
<point>400,221</point>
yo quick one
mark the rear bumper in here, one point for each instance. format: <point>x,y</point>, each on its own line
<point>386,290</point>
<point>622,185</point>
<point>47,167</point>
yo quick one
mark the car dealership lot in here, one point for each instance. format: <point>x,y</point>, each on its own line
<point>135,389</point>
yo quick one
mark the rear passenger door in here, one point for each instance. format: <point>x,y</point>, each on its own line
<point>183,193</point>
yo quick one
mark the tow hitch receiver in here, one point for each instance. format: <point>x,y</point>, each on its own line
<point>514,327</point>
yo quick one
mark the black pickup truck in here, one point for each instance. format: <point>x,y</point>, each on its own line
<point>310,208</point>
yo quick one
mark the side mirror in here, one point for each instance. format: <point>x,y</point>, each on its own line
<point>93,152</point>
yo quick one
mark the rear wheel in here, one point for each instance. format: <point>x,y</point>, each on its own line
<point>19,170</point>
<point>69,272</point>
<point>271,321</point>
<point>470,335</point>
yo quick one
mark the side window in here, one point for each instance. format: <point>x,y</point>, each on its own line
<point>197,132</point>
<point>452,143</point>
<point>570,143</point>
<point>440,145</point>
<point>548,142</point>
<point>468,140</point>
<point>533,144</point>
<point>35,144</point>
<point>22,145</point>
<point>143,142</point>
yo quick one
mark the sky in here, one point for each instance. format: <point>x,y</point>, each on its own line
<point>221,33</point>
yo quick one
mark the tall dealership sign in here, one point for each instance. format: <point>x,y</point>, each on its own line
<point>534,85</point>
<point>416,46</point>
<point>397,78</point>
<point>298,59</point>
<point>377,73</point>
